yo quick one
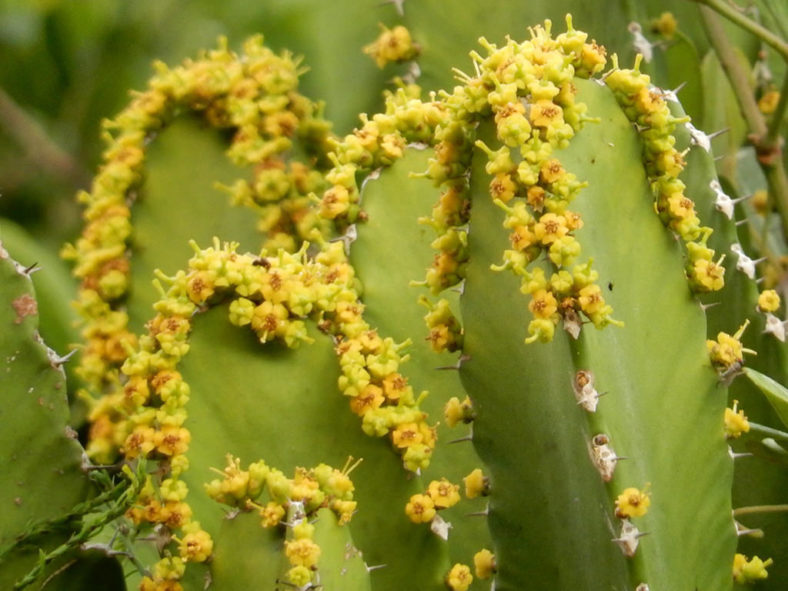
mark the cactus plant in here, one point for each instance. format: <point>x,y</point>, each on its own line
<point>563,314</point>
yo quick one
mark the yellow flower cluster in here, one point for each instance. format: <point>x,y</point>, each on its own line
<point>393,45</point>
<point>647,107</point>
<point>166,575</point>
<point>527,88</point>
<point>144,415</point>
<point>379,393</point>
<point>322,486</point>
<point>299,498</point>
<point>255,96</point>
<point>440,494</point>
<point>378,142</point>
<point>445,330</point>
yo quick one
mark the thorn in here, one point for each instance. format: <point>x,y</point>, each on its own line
<point>413,74</point>
<point>29,270</point>
<point>744,454</point>
<point>60,360</point>
<point>670,95</point>
<point>698,138</point>
<point>87,466</point>
<point>756,533</point>
<point>374,567</point>
<point>347,238</point>
<point>742,198</point>
<point>462,359</point>
<point>718,158</point>
<point>718,132</point>
<point>740,222</point>
<point>484,513</point>
<point>398,4</point>
<point>372,176</point>
<point>730,374</point>
<point>468,437</point>
<point>705,307</point>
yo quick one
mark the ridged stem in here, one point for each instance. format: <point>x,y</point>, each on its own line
<point>769,152</point>
<point>748,24</point>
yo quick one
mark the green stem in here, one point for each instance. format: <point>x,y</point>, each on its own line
<point>773,136</point>
<point>125,494</point>
<point>39,148</point>
<point>760,509</point>
<point>748,24</point>
<point>769,154</point>
<point>776,434</point>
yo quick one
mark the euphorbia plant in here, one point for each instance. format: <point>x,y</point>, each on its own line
<point>563,209</point>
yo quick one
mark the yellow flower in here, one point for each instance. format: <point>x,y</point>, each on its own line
<point>443,493</point>
<point>169,569</point>
<point>550,228</point>
<point>196,545</point>
<point>393,45</point>
<point>727,351</point>
<point>484,563</point>
<point>476,484</point>
<point>543,304</point>
<point>632,503</point>
<point>551,171</point>
<point>300,576</point>
<point>272,514</point>
<point>369,398</point>
<point>148,584</point>
<point>456,411</point>
<point>735,422</point>
<point>459,578</point>
<point>522,237</point>
<point>545,112</point>
<point>768,301</point>
<point>172,441</point>
<point>420,509</point>
<point>540,329</point>
<point>706,275</point>
<point>768,102</point>
<point>302,552</point>
<point>344,510</point>
<point>665,25</point>
<point>406,435</point>
<point>749,571</point>
<point>591,300</point>
<point>502,187</point>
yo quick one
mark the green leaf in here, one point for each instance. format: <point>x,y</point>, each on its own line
<point>775,393</point>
